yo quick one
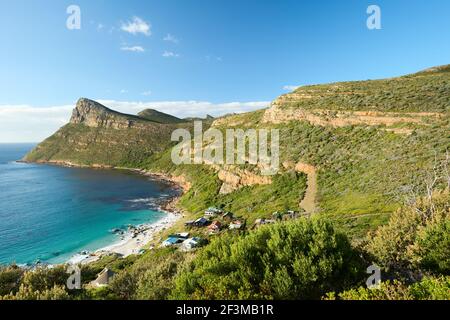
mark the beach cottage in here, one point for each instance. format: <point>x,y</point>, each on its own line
<point>236,225</point>
<point>103,278</point>
<point>172,240</point>
<point>200,222</point>
<point>191,243</point>
<point>228,216</point>
<point>215,227</point>
<point>212,212</point>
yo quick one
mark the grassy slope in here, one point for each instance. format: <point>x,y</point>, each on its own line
<point>426,91</point>
<point>362,171</point>
<point>85,145</point>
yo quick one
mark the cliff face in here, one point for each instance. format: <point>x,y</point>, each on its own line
<point>97,135</point>
<point>397,104</point>
<point>92,114</point>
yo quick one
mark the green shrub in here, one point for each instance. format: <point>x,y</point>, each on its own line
<point>42,278</point>
<point>432,288</point>
<point>428,289</point>
<point>431,250</point>
<point>157,282</point>
<point>416,237</point>
<point>28,293</point>
<point>149,278</point>
<point>295,260</point>
<point>10,279</point>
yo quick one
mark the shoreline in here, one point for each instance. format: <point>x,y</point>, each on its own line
<point>134,240</point>
<point>137,237</point>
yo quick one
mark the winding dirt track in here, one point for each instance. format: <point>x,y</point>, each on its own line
<point>308,202</point>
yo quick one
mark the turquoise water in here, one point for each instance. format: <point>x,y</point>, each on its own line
<point>50,213</point>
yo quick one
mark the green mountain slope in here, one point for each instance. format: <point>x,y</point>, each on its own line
<point>155,115</point>
<point>100,136</point>
<point>369,156</point>
<point>371,143</point>
<point>426,91</point>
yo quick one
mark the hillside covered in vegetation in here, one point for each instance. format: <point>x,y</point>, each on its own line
<point>371,157</point>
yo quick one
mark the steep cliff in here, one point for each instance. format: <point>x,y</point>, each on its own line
<point>92,114</point>
<point>99,136</point>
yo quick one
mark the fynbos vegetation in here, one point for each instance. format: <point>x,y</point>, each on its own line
<point>378,151</point>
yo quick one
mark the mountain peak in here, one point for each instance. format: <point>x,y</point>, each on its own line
<point>94,114</point>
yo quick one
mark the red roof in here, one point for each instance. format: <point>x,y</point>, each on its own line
<point>215,225</point>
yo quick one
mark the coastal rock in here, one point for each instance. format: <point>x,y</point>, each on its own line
<point>234,178</point>
<point>93,114</point>
<point>286,108</point>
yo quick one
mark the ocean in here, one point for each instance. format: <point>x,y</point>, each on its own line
<point>50,213</point>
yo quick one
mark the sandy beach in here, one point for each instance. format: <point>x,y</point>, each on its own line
<point>133,241</point>
<point>137,237</point>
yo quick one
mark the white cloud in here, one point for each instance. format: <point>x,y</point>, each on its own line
<point>147,93</point>
<point>290,87</point>
<point>100,27</point>
<point>133,49</point>
<point>123,91</point>
<point>213,58</point>
<point>171,38</point>
<point>170,54</point>
<point>25,123</point>
<point>189,108</point>
<point>137,25</point>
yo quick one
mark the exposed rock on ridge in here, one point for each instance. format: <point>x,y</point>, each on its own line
<point>94,114</point>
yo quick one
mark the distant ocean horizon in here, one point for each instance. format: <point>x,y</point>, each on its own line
<point>50,213</point>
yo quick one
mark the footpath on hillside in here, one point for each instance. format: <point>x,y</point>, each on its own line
<point>308,203</point>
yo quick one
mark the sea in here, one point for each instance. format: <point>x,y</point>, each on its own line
<point>49,213</point>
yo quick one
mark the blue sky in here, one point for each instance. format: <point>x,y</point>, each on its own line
<point>219,52</point>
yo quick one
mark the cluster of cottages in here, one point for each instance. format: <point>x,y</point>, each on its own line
<point>214,221</point>
<point>210,223</point>
<point>214,226</point>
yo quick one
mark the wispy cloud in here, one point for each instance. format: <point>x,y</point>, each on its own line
<point>123,91</point>
<point>133,49</point>
<point>213,58</point>
<point>147,93</point>
<point>25,123</point>
<point>290,87</point>
<point>137,25</point>
<point>170,54</point>
<point>100,27</point>
<point>171,38</point>
<point>188,108</point>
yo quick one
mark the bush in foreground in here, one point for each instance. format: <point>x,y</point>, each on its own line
<point>416,239</point>
<point>296,260</point>
<point>430,288</point>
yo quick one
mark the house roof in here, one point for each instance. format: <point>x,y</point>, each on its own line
<point>172,240</point>
<point>215,224</point>
<point>181,235</point>
<point>104,277</point>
